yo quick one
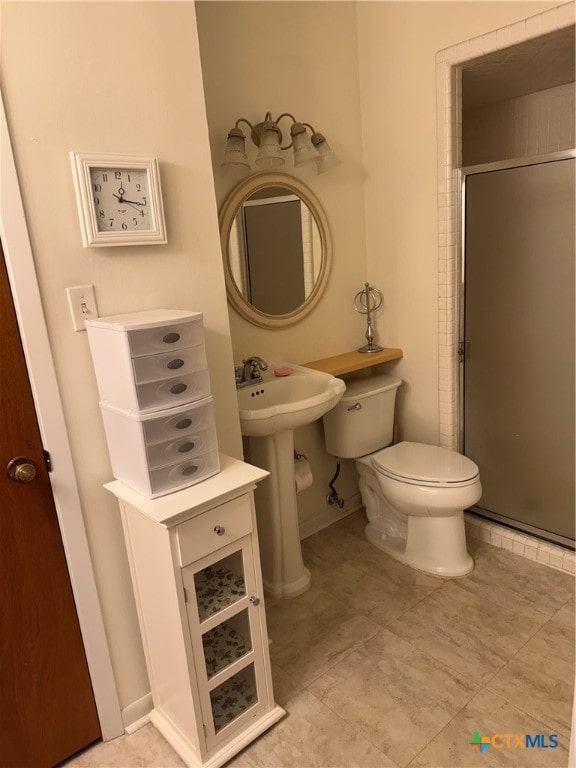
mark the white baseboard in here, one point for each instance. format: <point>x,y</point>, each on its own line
<point>329,515</point>
<point>137,714</point>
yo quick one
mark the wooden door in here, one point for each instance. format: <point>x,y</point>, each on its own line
<point>47,709</point>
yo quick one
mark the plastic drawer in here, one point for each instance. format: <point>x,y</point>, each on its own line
<point>156,395</point>
<point>186,447</point>
<point>175,363</point>
<point>184,473</point>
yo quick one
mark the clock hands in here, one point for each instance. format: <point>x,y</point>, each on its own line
<point>122,199</point>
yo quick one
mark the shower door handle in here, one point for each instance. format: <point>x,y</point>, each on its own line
<point>463,351</point>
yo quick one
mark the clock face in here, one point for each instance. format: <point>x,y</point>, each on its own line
<point>121,198</point>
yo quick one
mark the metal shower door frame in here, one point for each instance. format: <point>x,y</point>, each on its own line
<point>461,303</point>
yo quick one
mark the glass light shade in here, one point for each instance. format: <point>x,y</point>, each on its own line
<point>327,158</point>
<point>269,155</point>
<point>303,150</point>
<point>235,157</point>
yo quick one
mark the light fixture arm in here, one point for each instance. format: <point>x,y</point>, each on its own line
<point>271,123</point>
<point>267,136</point>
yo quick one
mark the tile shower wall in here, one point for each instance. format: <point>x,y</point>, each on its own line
<point>449,152</point>
<point>535,124</point>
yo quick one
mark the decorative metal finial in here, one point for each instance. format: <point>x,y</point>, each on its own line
<point>366,302</point>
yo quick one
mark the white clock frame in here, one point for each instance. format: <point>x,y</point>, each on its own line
<point>82,164</point>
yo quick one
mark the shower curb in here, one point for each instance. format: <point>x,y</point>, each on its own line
<point>521,544</point>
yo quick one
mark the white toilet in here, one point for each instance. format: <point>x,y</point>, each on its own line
<point>414,494</point>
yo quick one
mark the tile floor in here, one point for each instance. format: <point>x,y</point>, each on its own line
<point>379,665</point>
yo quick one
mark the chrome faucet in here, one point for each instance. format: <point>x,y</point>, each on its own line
<point>249,371</point>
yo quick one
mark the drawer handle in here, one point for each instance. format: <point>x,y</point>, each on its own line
<point>186,447</point>
<point>171,338</point>
<point>219,530</point>
<point>255,600</point>
<point>183,423</point>
<point>177,389</point>
<point>175,364</point>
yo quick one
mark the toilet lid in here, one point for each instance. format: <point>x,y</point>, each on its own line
<point>426,464</point>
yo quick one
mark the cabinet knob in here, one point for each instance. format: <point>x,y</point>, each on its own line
<point>255,600</point>
<point>219,530</point>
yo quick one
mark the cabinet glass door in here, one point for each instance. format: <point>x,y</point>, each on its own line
<point>226,643</point>
<point>225,626</point>
<point>219,585</point>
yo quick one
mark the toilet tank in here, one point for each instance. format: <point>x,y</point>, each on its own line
<point>363,420</point>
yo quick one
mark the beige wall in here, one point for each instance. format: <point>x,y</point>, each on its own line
<point>298,57</point>
<point>397,44</point>
<point>115,77</point>
<point>69,83</point>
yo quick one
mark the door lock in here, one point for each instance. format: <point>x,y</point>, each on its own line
<point>21,470</point>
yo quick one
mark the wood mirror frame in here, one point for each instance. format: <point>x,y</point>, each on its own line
<point>244,190</point>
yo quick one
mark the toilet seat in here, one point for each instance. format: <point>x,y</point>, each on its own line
<point>425,465</point>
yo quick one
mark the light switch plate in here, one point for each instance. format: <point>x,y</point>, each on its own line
<point>82,301</point>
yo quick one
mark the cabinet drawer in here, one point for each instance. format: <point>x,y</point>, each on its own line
<point>174,363</point>
<point>198,537</point>
<point>177,390</point>
<point>147,341</point>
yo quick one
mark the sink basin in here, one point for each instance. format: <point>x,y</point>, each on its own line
<point>287,402</point>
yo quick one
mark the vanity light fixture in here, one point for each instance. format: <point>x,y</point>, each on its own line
<point>267,136</point>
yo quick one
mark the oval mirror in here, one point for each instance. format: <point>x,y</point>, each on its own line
<point>277,249</point>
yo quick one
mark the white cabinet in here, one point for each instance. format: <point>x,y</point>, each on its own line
<point>195,568</point>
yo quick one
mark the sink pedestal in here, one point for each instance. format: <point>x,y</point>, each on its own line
<point>283,570</point>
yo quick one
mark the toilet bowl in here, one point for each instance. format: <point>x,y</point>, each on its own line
<point>414,494</point>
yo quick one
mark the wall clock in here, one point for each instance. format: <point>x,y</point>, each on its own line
<point>119,199</point>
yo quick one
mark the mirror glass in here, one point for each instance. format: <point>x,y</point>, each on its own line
<point>276,247</point>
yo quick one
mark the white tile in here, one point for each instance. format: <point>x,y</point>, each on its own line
<point>566,15</point>
<point>496,538</point>
<point>476,47</point>
<point>543,555</point>
<point>518,32</point>
<point>504,37</point>
<point>485,533</point>
<point>518,547</point>
<point>549,21</point>
<point>556,560</point>
<point>489,42</point>
<point>507,543</point>
<point>533,26</point>
<point>531,552</point>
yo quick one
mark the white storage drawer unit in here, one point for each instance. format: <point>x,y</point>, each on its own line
<point>154,386</point>
<point>149,360</point>
<point>160,452</point>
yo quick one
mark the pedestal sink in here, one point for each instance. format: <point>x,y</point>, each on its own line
<point>269,412</point>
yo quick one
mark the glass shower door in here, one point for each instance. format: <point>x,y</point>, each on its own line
<point>518,390</point>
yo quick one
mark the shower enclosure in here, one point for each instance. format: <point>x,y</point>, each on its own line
<point>517,353</point>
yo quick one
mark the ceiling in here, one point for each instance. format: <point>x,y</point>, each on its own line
<point>534,65</point>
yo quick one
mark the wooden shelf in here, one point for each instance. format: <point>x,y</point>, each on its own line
<point>354,361</point>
